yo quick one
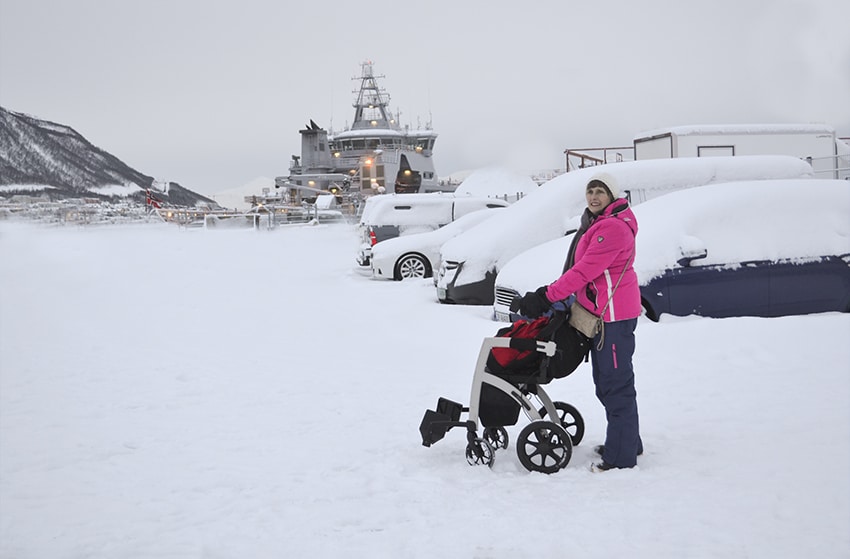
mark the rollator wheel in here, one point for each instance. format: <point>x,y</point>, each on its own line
<point>570,419</point>
<point>479,452</point>
<point>496,436</point>
<point>544,447</point>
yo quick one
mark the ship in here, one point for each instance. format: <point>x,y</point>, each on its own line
<point>374,155</point>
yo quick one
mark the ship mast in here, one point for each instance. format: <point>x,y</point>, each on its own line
<point>371,105</point>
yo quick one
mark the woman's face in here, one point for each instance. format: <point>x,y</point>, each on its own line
<point>597,199</point>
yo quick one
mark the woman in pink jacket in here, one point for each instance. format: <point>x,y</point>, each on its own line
<point>599,273</point>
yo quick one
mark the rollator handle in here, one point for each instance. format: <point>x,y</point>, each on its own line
<point>547,348</point>
<point>526,344</point>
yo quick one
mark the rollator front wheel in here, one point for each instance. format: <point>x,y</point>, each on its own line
<point>543,446</point>
<point>496,436</point>
<point>480,453</point>
<point>570,419</point>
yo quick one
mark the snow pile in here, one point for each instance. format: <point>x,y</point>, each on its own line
<point>734,222</point>
<point>427,211</point>
<point>555,207</point>
<point>744,221</point>
<point>494,182</point>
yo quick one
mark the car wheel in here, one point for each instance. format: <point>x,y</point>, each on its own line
<point>412,266</point>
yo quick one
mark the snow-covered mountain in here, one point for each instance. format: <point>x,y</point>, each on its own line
<point>38,154</point>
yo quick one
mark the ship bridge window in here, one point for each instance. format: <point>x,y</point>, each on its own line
<point>359,144</point>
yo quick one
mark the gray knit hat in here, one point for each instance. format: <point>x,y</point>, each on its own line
<point>606,181</point>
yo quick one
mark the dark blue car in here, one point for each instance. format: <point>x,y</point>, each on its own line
<point>756,288</point>
<point>756,248</point>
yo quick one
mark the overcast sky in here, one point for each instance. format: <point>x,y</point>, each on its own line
<point>211,94</point>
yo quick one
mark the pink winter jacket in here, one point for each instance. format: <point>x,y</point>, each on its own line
<point>605,249</point>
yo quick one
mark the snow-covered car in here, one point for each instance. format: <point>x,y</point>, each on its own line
<point>387,216</point>
<point>417,256</point>
<point>757,248</point>
<point>470,262</point>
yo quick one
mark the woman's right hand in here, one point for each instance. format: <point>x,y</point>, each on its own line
<point>534,303</point>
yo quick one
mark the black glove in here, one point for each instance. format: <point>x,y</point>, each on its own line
<point>534,303</point>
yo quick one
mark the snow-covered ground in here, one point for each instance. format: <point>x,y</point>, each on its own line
<point>201,394</point>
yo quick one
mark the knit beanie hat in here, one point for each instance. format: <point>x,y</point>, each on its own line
<point>606,181</point>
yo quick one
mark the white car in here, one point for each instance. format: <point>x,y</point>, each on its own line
<point>387,216</point>
<point>417,255</point>
<point>756,248</point>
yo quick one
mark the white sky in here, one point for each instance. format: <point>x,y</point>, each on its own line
<point>212,94</point>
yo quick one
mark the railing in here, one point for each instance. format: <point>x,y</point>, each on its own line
<point>579,158</point>
<point>842,162</point>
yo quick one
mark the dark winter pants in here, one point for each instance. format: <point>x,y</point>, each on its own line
<point>615,388</point>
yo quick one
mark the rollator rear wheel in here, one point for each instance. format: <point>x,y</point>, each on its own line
<point>479,452</point>
<point>543,446</point>
<point>570,419</point>
<point>496,436</point>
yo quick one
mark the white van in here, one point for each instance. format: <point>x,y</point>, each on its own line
<point>386,216</point>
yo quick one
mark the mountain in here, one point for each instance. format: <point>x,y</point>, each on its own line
<point>43,153</point>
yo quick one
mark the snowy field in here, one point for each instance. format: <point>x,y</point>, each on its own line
<point>172,393</point>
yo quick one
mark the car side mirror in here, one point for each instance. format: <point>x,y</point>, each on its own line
<point>690,255</point>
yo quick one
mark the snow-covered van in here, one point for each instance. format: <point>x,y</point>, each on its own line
<point>386,216</point>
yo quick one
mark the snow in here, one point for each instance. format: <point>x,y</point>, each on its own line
<point>497,183</point>
<point>555,207</point>
<point>30,187</point>
<point>744,221</point>
<point>180,393</point>
<point>116,189</point>
<point>732,129</point>
<point>734,222</point>
<point>234,198</point>
<point>421,212</point>
<point>106,190</point>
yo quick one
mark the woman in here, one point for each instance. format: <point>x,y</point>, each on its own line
<point>599,273</point>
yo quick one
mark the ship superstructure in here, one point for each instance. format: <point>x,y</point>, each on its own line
<point>372,156</point>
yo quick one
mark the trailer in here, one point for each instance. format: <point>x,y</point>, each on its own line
<point>816,144</point>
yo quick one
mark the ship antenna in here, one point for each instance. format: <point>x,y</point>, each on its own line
<point>428,90</point>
